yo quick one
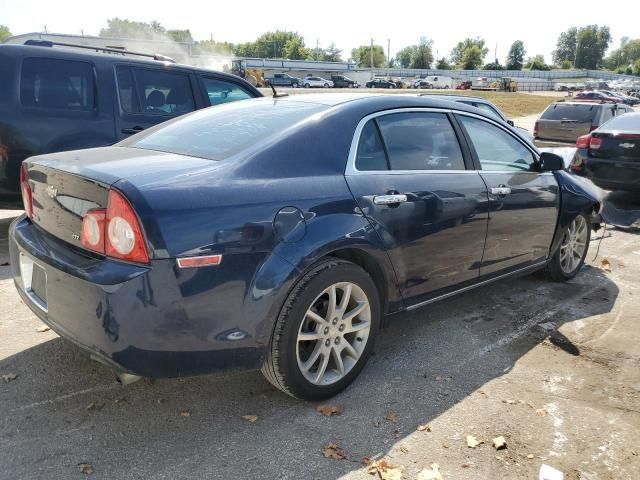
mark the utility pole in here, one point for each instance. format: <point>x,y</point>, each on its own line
<point>371,51</point>
<point>317,48</point>
<point>388,53</point>
<point>495,53</point>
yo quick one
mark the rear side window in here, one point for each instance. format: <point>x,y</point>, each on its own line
<point>420,141</point>
<point>371,155</point>
<point>607,114</point>
<point>53,83</point>
<point>486,108</point>
<point>580,113</point>
<point>154,92</point>
<point>219,91</point>
<point>218,133</point>
<point>6,78</point>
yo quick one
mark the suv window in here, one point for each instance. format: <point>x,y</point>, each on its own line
<point>607,114</point>
<point>420,141</point>
<point>371,154</point>
<point>154,92</point>
<point>496,149</point>
<point>219,91</point>
<point>581,113</point>
<point>52,83</point>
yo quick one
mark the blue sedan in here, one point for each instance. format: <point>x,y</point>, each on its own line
<point>278,233</point>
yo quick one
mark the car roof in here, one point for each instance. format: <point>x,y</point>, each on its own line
<point>70,53</point>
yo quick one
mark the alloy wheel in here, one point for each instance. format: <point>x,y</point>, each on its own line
<point>333,334</point>
<point>574,244</point>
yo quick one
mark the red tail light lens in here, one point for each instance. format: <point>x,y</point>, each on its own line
<point>583,141</point>
<point>595,143</point>
<point>124,239</point>
<point>535,130</point>
<point>92,235</point>
<point>25,188</point>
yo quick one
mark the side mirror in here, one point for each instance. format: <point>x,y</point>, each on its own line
<point>550,162</point>
<point>510,122</point>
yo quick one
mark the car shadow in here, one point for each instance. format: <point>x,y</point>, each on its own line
<point>64,409</point>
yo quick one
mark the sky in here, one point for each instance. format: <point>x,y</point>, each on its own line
<point>348,24</point>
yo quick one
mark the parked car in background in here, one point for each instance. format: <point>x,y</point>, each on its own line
<point>283,80</point>
<point>628,99</point>
<point>595,95</point>
<point>563,122</point>
<point>276,233</point>
<point>438,81</point>
<point>488,107</point>
<point>610,155</point>
<point>466,85</point>
<point>56,98</point>
<point>341,81</point>
<point>316,82</point>
<point>380,83</point>
<point>421,84</point>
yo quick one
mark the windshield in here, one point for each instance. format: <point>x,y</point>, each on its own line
<point>219,132</point>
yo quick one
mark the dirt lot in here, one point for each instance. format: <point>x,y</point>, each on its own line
<point>552,368</point>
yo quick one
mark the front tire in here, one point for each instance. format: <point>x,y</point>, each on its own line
<point>306,85</point>
<point>325,331</point>
<point>569,258</point>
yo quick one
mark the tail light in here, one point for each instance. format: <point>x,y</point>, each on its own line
<point>25,188</point>
<point>124,239</point>
<point>583,141</point>
<point>535,130</point>
<point>114,231</point>
<point>595,143</point>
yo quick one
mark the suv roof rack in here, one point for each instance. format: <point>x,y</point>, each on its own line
<point>50,44</point>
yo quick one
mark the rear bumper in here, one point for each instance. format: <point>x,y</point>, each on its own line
<point>133,318</point>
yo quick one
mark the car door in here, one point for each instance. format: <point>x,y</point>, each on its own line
<point>523,202</point>
<point>148,96</point>
<point>413,180</point>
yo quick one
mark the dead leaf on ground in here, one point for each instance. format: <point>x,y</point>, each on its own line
<point>95,406</point>
<point>250,418</point>
<point>185,413</point>
<point>331,450</point>
<point>541,412</point>
<point>509,402</point>
<point>404,449</point>
<point>9,377</point>
<point>499,443</point>
<point>432,473</point>
<point>472,442</point>
<point>424,428</point>
<point>605,264</point>
<point>530,456</point>
<point>442,378</point>
<point>376,422</point>
<point>396,433</point>
<point>384,469</point>
<point>43,328</point>
<point>86,468</point>
<point>328,410</point>
<point>391,416</point>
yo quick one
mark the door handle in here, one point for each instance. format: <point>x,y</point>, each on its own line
<point>389,199</point>
<point>132,130</point>
<point>501,190</point>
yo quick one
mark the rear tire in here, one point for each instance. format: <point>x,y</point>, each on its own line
<point>309,328</point>
<point>569,258</point>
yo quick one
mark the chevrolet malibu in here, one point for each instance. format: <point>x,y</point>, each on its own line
<point>279,233</point>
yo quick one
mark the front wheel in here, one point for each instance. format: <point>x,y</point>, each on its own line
<point>306,85</point>
<point>569,258</point>
<point>326,85</point>
<point>325,331</point>
<point>295,85</point>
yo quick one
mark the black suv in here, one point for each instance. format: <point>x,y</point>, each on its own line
<point>56,97</point>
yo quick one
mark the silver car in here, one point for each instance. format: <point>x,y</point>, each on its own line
<point>317,82</point>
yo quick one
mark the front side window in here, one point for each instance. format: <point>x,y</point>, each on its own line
<point>219,91</point>
<point>420,141</point>
<point>496,149</point>
<point>60,84</point>
<point>154,92</point>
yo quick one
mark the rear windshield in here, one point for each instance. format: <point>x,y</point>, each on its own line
<point>627,123</point>
<point>580,113</point>
<point>219,132</point>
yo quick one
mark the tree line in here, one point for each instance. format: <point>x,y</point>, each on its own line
<point>578,47</point>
